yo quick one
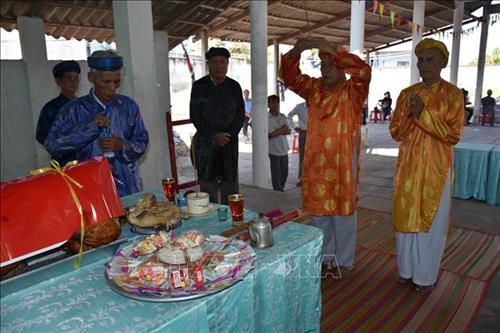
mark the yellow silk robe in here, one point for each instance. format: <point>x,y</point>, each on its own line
<point>425,152</point>
<point>334,120</point>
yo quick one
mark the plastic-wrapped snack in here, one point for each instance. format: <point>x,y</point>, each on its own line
<point>149,272</point>
<point>189,239</point>
<point>152,243</point>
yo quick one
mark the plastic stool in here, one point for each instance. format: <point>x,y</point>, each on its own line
<point>295,144</point>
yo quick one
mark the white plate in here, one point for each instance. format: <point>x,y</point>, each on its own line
<point>211,210</point>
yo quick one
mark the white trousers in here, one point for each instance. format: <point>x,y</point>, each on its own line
<point>339,232</point>
<point>339,238</point>
<point>419,254</point>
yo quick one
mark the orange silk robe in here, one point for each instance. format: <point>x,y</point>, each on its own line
<point>425,152</point>
<point>333,126</point>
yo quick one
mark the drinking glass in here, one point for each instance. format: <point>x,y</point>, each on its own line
<point>236,204</point>
<point>169,188</point>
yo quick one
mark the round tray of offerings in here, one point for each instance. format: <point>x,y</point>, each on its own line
<point>165,268</point>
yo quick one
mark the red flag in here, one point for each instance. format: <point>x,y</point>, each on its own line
<point>188,62</point>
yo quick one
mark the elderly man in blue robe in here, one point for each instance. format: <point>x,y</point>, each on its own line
<point>103,123</point>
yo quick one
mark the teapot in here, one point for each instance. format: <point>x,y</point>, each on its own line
<point>261,232</point>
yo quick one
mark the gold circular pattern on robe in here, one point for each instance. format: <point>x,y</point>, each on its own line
<point>342,127</point>
<point>408,185</point>
<point>320,190</point>
<point>330,205</point>
<point>320,159</point>
<point>336,189</point>
<point>428,192</point>
<point>329,143</point>
<point>347,206</point>
<point>330,175</point>
<point>348,176</point>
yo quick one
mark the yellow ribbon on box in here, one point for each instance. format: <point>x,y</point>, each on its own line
<point>70,182</point>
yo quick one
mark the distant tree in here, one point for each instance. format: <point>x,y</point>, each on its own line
<point>491,59</point>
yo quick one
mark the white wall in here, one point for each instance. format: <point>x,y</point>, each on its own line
<point>18,144</point>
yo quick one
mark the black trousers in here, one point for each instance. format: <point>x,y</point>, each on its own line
<point>219,190</point>
<point>279,171</point>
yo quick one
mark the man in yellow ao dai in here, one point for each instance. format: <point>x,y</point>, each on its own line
<point>428,121</point>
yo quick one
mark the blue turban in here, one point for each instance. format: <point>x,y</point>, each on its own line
<point>217,51</point>
<point>105,64</point>
<point>65,67</point>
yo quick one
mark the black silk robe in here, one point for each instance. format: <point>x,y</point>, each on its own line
<point>213,109</point>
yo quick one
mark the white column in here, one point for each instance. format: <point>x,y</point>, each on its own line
<point>258,55</point>
<point>480,63</point>
<point>418,18</point>
<point>458,14</point>
<point>135,43</point>
<point>34,53</point>
<point>357,27</point>
<point>204,49</point>
<point>276,66</point>
<point>163,84</point>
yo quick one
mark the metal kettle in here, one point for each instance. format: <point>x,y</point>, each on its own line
<point>261,232</point>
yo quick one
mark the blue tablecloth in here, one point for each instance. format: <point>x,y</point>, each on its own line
<point>471,170</point>
<point>493,186</point>
<point>282,294</point>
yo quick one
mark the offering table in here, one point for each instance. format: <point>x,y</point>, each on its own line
<point>281,294</point>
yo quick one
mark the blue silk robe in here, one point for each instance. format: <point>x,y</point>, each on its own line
<point>74,130</point>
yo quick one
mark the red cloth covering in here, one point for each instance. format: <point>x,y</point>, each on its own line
<point>38,212</point>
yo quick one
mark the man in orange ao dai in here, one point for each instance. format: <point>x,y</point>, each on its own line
<point>330,181</point>
<point>428,121</point>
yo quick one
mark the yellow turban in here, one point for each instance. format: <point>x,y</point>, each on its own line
<point>429,43</point>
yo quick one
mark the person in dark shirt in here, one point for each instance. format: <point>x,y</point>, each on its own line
<point>386,104</point>
<point>67,77</point>
<point>217,111</point>
<point>488,104</point>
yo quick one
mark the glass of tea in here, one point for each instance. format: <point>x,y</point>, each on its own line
<point>169,188</point>
<point>236,204</point>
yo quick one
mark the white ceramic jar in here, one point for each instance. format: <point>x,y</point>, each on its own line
<point>198,203</point>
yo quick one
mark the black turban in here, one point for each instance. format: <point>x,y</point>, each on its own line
<point>217,51</point>
<point>65,67</point>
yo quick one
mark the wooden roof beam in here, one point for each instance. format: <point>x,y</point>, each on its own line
<point>236,18</point>
<point>182,11</point>
<point>312,11</point>
<point>341,16</point>
<point>450,6</point>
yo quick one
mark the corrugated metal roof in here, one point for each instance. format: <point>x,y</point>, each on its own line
<point>230,19</point>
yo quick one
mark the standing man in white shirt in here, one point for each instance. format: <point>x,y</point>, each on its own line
<point>300,110</point>
<point>278,143</point>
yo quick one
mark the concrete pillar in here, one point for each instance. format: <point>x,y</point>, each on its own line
<point>458,14</point>
<point>163,84</point>
<point>357,27</point>
<point>34,53</point>
<point>276,66</point>
<point>418,18</point>
<point>258,30</point>
<point>481,62</point>
<point>135,43</point>
<point>204,49</point>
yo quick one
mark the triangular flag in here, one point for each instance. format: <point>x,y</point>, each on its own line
<point>381,9</point>
<point>393,16</point>
<point>375,5</point>
<point>398,21</point>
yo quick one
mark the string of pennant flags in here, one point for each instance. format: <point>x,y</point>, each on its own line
<point>397,20</point>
